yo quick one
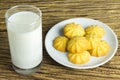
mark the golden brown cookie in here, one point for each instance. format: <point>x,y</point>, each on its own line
<point>101,50</point>
<point>73,29</point>
<point>60,43</point>
<point>79,58</point>
<point>77,44</point>
<point>95,31</point>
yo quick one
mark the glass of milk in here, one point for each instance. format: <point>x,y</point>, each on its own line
<point>24,27</point>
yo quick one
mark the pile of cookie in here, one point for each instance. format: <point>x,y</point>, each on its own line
<point>82,43</point>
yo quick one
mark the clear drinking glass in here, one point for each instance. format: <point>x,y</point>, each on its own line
<point>24,27</point>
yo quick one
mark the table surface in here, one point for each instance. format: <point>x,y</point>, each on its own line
<point>54,11</point>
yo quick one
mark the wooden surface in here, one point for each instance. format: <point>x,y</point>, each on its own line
<point>54,11</point>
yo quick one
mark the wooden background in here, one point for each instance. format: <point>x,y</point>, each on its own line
<point>54,11</point>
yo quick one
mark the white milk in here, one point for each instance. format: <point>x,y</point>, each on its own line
<point>25,39</point>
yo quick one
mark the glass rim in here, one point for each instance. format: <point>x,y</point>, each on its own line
<point>30,6</point>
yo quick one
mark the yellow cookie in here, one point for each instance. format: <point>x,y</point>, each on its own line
<point>77,44</point>
<point>79,58</point>
<point>60,43</point>
<point>93,42</point>
<point>72,30</point>
<point>101,50</point>
<point>95,31</point>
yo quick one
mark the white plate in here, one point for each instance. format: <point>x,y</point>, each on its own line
<point>61,57</point>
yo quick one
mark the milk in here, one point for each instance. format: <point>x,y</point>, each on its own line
<point>25,39</point>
